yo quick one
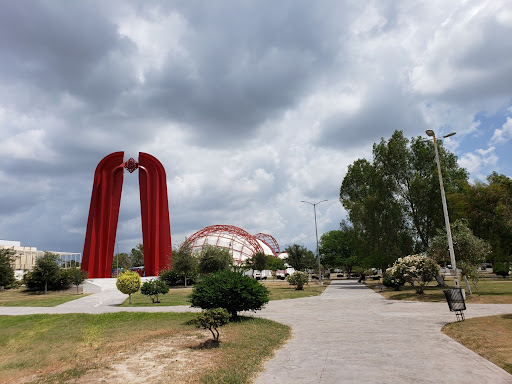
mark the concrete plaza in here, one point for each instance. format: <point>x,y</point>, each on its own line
<point>349,334</point>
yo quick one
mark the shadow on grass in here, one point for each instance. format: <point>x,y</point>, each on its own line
<point>208,344</point>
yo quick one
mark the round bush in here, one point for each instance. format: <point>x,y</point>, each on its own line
<point>230,290</point>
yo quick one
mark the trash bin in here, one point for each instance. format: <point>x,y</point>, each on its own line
<point>456,302</point>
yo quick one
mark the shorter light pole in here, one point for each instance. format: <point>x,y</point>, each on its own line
<point>316,232</point>
<point>431,133</point>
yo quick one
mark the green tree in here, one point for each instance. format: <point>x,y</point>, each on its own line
<point>376,216</point>
<point>298,279</point>
<point>77,277</point>
<point>47,268</point>
<point>123,259</point>
<point>230,290</point>
<point>7,256</point>
<point>153,288</point>
<point>185,262</point>
<point>300,258</point>
<point>258,262</point>
<point>338,248</point>
<point>488,208</point>
<point>137,256</point>
<point>470,251</point>
<point>212,319</point>
<point>214,259</point>
<point>275,264</point>
<point>128,282</point>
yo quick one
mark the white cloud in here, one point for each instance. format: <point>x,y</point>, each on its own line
<point>504,134</point>
<point>479,163</point>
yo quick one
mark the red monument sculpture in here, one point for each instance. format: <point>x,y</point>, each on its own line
<point>100,237</point>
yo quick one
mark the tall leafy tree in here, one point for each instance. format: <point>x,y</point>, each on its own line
<point>6,268</point>
<point>377,217</point>
<point>488,208</point>
<point>258,262</point>
<point>410,169</point>
<point>214,259</point>
<point>137,256</point>
<point>338,248</point>
<point>300,258</point>
<point>185,262</point>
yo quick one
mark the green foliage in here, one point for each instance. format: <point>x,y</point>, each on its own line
<point>47,268</point>
<point>34,281</point>
<point>123,260</point>
<point>393,202</point>
<point>300,258</point>
<point>128,282</point>
<point>214,259</point>
<point>137,256</point>
<point>298,279</point>
<point>275,264</point>
<point>395,279</point>
<point>7,257</point>
<point>418,270</point>
<point>487,208</point>
<point>153,288</point>
<point>230,290</point>
<point>258,262</point>
<point>338,248</point>
<point>77,276</point>
<point>170,277</point>
<point>212,319</point>
<point>470,251</point>
<point>185,262</point>
<point>501,269</point>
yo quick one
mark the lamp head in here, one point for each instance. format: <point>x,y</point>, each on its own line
<point>430,132</point>
<point>448,135</point>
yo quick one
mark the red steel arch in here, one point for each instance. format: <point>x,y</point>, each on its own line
<point>229,237</point>
<point>270,241</point>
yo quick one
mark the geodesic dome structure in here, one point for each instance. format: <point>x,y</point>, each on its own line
<point>241,244</point>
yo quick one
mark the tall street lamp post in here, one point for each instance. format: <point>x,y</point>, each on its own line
<point>316,232</point>
<point>431,133</point>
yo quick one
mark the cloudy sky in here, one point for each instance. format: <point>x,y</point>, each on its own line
<point>251,106</point>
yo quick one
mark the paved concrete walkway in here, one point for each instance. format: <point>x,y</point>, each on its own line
<point>349,334</point>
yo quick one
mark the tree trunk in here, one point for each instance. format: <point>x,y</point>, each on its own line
<point>130,298</point>
<point>46,287</point>
<point>467,284</point>
<point>185,281</point>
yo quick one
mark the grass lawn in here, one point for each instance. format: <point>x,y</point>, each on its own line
<point>22,298</point>
<point>279,290</point>
<point>82,348</point>
<point>490,337</point>
<point>490,291</point>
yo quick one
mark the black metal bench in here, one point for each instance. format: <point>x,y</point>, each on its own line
<point>456,302</point>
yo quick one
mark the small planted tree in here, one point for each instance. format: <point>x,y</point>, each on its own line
<point>128,282</point>
<point>298,279</point>
<point>230,290</point>
<point>47,268</point>
<point>153,288</point>
<point>77,277</point>
<point>212,319</point>
<point>418,270</point>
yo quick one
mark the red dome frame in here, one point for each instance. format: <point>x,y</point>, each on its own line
<point>247,244</point>
<point>270,241</point>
